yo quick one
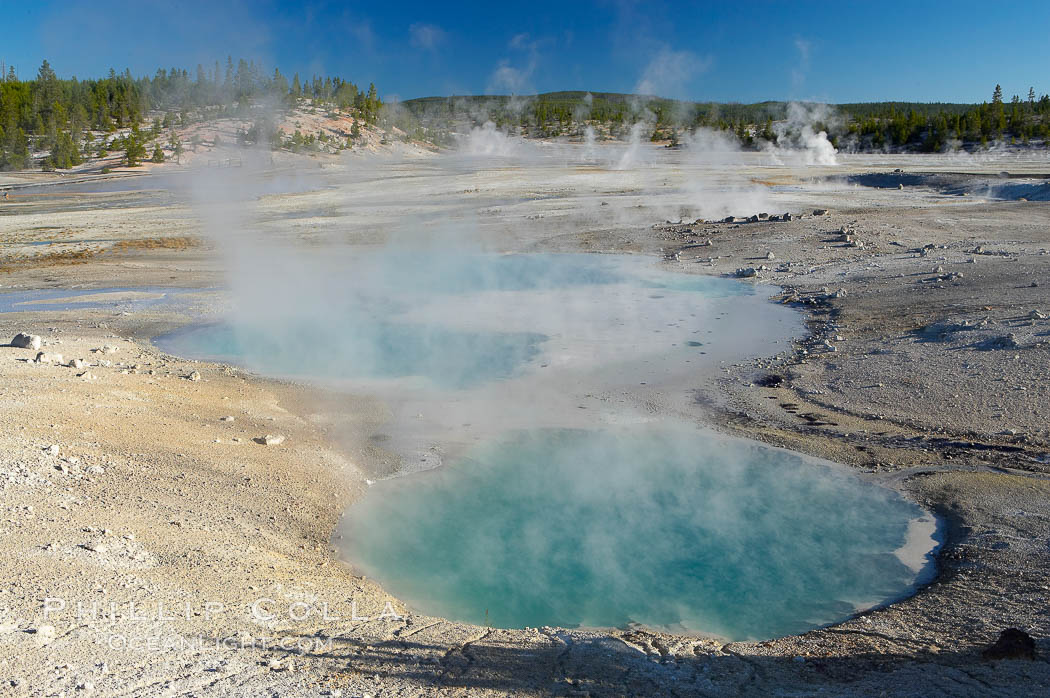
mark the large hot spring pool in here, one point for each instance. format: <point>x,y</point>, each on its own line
<point>577,492</point>
<point>667,527</point>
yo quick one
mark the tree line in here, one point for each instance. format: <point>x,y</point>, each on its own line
<point>61,117</point>
<point>878,126</point>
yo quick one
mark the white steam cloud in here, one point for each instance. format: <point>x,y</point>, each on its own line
<point>798,141</point>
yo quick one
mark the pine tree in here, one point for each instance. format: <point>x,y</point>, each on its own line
<point>134,150</point>
<point>158,154</point>
<point>176,146</point>
<point>997,95</point>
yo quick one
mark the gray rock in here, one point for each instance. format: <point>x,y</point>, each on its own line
<point>24,340</point>
<point>46,357</point>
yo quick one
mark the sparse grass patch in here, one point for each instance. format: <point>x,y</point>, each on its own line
<point>51,259</point>
<point>160,243</point>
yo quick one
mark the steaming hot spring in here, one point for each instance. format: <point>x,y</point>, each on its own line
<point>573,489</point>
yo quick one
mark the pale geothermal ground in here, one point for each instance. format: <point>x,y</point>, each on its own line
<point>138,528</point>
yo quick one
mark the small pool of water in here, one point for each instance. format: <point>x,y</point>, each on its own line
<point>116,298</point>
<point>672,528</point>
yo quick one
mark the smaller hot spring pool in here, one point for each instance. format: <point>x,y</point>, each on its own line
<point>668,527</point>
<point>373,348</point>
<point>458,321</point>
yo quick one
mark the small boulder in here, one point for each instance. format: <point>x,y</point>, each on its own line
<point>821,212</point>
<point>195,376</point>
<point>76,363</point>
<point>46,357</point>
<point>270,440</point>
<point>1012,644</point>
<point>23,340</point>
<point>745,272</point>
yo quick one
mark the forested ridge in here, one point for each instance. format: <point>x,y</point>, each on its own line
<point>54,123</point>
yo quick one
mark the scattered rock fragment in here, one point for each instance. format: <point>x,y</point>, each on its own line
<point>1007,341</point>
<point>227,418</point>
<point>1037,315</point>
<point>24,340</point>
<point>195,376</point>
<point>745,272</point>
<point>821,212</point>
<point>76,363</point>
<point>771,380</point>
<point>46,357</point>
<point>270,440</point>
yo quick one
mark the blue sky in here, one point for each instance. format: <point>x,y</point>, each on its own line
<point>725,51</point>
